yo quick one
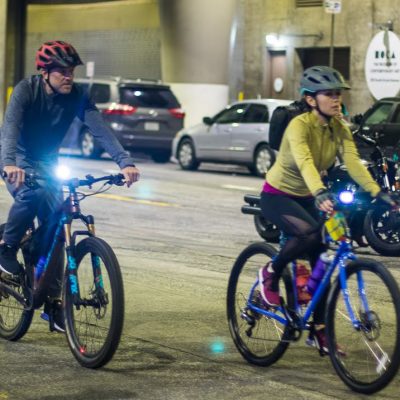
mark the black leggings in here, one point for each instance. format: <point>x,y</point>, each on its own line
<point>299,220</point>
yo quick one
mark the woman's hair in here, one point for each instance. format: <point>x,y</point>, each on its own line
<point>304,105</point>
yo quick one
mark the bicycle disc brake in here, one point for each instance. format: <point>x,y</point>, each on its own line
<point>370,325</point>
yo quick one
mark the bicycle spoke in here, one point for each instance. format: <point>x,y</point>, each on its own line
<point>371,342</point>
<point>94,322</point>
<point>258,337</point>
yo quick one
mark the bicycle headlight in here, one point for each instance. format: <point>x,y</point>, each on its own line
<point>63,172</point>
<point>346,197</point>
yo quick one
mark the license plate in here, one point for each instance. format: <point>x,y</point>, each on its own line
<point>151,126</point>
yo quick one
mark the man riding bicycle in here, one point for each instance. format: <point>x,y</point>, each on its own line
<point>39,113</point>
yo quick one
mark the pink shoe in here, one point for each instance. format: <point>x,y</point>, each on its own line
<point>270,296</point>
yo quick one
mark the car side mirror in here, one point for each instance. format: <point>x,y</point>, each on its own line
<point>208,121</point>
<point>357,119</point>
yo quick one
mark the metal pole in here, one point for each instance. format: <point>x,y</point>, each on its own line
<point>332,40</point>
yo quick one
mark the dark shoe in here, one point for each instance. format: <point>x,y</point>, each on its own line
<point>360,241</point>
<point>319,340</point>
<point>268,294</point>
<point>54,313</point>
<point>8,260</point>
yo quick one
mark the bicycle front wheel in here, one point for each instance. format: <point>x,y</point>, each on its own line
<point>94,321</point>
<point>14,319</point>
<point>371,348</point>
<point>260,339</point>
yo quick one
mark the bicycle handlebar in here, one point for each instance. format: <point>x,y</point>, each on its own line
<point>31,180</point>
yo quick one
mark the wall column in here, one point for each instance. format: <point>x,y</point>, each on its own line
<point>3,41</point>
<point>12,46</point>
<point>196,53</point>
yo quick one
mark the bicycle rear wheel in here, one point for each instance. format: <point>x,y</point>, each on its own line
<point>372,351</point>
<point>259,339</point>
<point>14,319</point>
<point>94,326</point>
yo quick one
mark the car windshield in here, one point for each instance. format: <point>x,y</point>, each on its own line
<point>148,97</point>
<point>379,115</point>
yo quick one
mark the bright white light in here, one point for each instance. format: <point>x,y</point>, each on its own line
<point>63,172</point>
<point>272,39</point>
<point>137,93</point>
<point>346,197</point>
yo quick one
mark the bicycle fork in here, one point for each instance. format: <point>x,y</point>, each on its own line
<point>98,297</point>
<point>72,275</point>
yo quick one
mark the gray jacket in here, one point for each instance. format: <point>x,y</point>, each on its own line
<point>35,124</point>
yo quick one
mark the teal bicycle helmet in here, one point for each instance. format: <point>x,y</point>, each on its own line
<point>319,78</point>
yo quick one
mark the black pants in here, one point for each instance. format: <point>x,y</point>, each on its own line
<point>299,220</point>
<point>41,202</point>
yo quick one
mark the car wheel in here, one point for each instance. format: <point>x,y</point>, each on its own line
<point>264,158</point>
<point>187,156</point>
<point>88,145</point>
<point>161,157</point>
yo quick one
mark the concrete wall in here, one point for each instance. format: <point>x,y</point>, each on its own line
<point>121,37</point>
<point>189,54</point>
<point>195,48</point>
<point>190,49</point>
<point>3,17</point>
<point>354,27</point>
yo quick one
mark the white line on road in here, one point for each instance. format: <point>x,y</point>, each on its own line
<point>234,187</point>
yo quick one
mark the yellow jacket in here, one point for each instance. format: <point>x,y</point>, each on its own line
<point>308,148</point>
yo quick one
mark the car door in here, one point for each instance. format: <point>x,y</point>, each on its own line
<point>216,142</point>
<point>252,130</point>
<point>391,129</point>
<point>382,121</point>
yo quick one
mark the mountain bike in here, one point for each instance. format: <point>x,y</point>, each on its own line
<point>362,312</point>
<point>93,293</point>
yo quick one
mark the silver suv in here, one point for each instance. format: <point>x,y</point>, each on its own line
<point>144,116</point>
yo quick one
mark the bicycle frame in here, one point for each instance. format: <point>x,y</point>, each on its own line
<point>71,211</point>
<point>280,314</point>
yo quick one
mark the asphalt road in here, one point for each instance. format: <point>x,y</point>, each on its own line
<point>176,235</point>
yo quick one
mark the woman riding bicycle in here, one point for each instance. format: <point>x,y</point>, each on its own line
<point>294,194</point>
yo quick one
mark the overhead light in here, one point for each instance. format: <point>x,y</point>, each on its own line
<point>276,40</point>
<point>272,39</point>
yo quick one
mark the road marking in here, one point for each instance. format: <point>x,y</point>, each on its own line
<point>234,187</point>
<point>139,201</point>
<point>126,198</point>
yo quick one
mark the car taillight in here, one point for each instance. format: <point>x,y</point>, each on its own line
<point>120,109</point>
<point>177,112</point>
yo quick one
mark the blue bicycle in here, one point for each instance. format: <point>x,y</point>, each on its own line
<point>93,292</point>
<point>362,314</point>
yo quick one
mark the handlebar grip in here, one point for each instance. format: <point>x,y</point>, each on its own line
<point>252,210</point>
<point>252,199</point>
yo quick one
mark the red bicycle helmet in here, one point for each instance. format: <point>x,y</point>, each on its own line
<point>57,54</point>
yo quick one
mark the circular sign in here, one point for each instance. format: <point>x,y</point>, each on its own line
<point>278,85</point>
<point>382,65</point>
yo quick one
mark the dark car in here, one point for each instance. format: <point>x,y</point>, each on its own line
<point>144,116</point>
<point>381,121</point>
